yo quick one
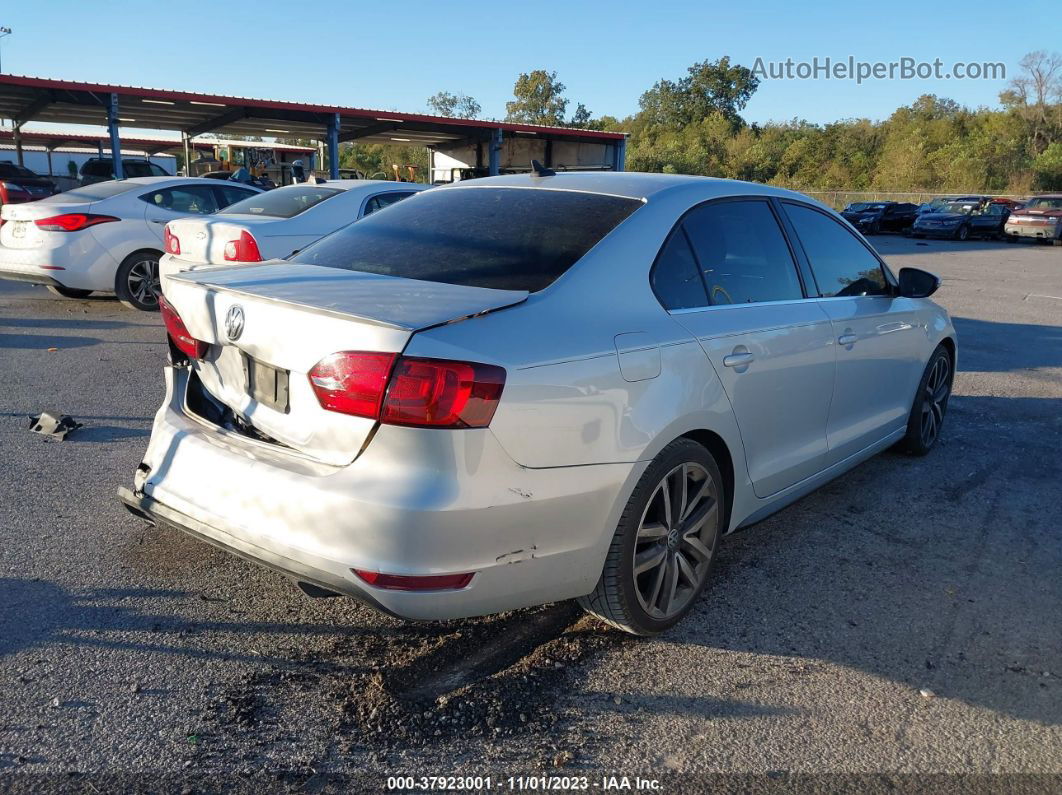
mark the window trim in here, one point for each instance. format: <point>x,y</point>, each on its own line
<point>890,280</point>
<point>678,226</point>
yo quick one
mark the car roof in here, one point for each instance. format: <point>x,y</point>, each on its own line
<point>629,184</point>
<point>351,184</point>
<point>162,182</point>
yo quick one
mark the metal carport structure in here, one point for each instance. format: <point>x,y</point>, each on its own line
<point>24,99</point>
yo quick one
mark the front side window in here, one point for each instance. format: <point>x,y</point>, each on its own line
<point>742,253</point>
<point>230,194</point>
<point>191,199</point>
<point>502,238</point>
<point>842,265</point>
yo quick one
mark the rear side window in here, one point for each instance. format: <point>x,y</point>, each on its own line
<point>742,253</point>
<point>383,200</point>
<point>841,263</point>
<point>675,279</point>
<point>282,203</point>
<point>504,238</point>
<point>97,168</point>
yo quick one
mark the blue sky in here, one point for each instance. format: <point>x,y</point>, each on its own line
<point>393,56</point>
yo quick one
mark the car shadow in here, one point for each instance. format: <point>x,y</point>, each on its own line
<point>988,346</point>
<point>42,342</point>
<point>939,572</point>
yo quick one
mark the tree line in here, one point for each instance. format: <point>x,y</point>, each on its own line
<point>693,125</point>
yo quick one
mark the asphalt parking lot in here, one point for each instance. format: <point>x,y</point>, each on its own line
<point>905,619</point>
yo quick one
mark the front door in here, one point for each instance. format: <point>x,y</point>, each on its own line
<point>875,334</point>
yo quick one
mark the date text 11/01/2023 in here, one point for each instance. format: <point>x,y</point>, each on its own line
<point>521,783</point>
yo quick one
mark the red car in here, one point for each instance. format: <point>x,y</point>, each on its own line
<point>19,184</point>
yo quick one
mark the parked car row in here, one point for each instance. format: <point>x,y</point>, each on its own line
<point>110,235</point>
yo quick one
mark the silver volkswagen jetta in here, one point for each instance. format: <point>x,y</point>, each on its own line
<point>524,389</point>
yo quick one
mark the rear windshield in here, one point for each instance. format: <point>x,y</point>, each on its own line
<point>283,203</point>
<point>505,238</point>
<point>91,193</point>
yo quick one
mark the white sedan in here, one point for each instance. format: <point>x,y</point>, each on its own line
<point>274,225</point>
<point>106,236</point>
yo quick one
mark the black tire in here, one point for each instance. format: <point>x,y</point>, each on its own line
<point>919,235</point>
<point>68,292</point>
<point>962,233</point>
<point>930,404</point>
<point>1011,238</point>
<point>137,281</point>
<point>685,549</point>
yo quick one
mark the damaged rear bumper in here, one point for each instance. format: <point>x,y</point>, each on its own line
<point>302,571</point>
<point>413,503</point>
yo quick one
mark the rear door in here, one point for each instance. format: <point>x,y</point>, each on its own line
<point>875,333</point>
<point>770,347</point>
<point>176,201</point>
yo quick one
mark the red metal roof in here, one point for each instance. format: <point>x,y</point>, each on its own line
<point>189,107</point>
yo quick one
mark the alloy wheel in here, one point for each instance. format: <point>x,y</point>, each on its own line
<point>674,543</point>
<point>143,281</point>
<point>935,400</point>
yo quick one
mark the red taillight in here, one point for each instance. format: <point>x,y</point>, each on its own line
<point>352,383</point>
<point>185,342</point>
<point>402,582</point>
<point>433,393</point>
<point>170,241</point>
<point>72,222</point>
<point>442,393</point>
<point>243,249</point>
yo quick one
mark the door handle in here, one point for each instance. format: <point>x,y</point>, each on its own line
<point>738,359</point>
<point>847,339</point>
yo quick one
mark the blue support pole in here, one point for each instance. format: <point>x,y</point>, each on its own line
<point>116,143</point>
<point>619,154</point>
<point>494,163</point>
<point>333,146</point>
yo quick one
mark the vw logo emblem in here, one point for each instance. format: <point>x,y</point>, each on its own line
<point>234,322</point>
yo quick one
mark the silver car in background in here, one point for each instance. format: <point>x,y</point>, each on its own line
<point>525,389</point>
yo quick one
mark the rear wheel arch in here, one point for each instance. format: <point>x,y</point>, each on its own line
<point>717,446</point>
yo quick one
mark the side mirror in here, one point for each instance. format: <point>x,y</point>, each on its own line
<point>917,283</point>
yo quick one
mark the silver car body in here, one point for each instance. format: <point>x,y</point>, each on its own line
<point>600,378</point>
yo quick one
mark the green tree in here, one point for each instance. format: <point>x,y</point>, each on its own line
<point>454,106</point>
<point>708,87</point>
<point>538,98</point>
<point>582,117</point>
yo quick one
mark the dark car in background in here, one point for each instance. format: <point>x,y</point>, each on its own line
<point>870,218</point>
<point>101,169</point>
<point>1040,219</point>
<point>961,219</point>
<point>18,184</point>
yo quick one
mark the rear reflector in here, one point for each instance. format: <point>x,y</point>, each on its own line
<point>401,390</point>
<point>73,222</point>
<point>401,582</point>
<point>243,249</point>
<point>170,241</point>
<point>184,341</point>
